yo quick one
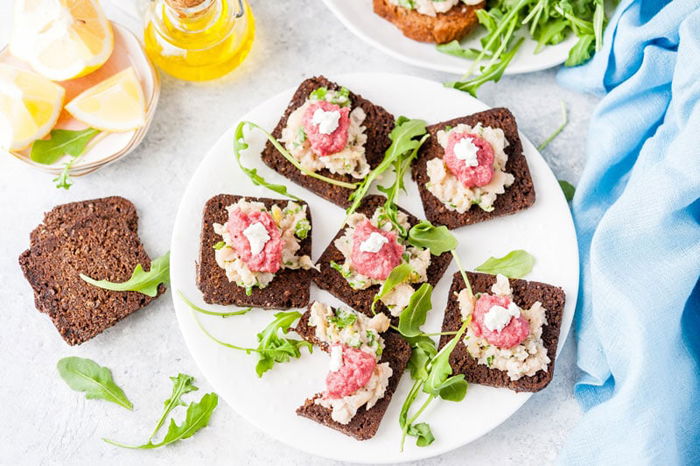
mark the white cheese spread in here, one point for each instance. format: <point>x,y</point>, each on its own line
<point>373,243</point>
<point>498,316</point>
<point>466,150</point>
<point>257,236</point>
<point>327,122</point>
<point>336,358</point>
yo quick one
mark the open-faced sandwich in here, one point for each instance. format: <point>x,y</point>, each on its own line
<point>363,254</point>
<point>512,338</point>
<point>255,252</point>
<point>331,131</point>
<point>96,238</point>
<point>473,169</point>
<point>437,21</point>
<point>366,364</point>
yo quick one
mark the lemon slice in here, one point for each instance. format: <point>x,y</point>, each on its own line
<point>29,107</point>
<point>61,39</point>
<point>115,104</point>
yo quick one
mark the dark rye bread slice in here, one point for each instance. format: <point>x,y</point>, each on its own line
<point>525,293</point>
<point>100,247</point>
<point>520,195</point>
<point>361,300</point>
<point>64,216</point>
<point>443,27</point>
<point>365,423</point>
<point>288,289</point>
<point>378,124</point>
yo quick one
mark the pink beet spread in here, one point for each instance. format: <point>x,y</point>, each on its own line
<point>354,373</point>
<point>267,260</point>
<point>326,144</point>
<point>377,265</point>
<point>470,177</point>
<point>512,334</point>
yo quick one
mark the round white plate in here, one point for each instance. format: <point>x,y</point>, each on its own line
<point>545,230</point>
<point>358,16</point>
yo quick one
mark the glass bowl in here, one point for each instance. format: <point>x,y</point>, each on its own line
<point>105,148</point>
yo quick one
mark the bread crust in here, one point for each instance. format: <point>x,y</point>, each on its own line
<point>444,27</point>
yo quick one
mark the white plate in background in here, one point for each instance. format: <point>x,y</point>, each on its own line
<point>358,16</point>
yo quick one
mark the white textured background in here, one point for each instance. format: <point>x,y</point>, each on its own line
<point>44,422</point>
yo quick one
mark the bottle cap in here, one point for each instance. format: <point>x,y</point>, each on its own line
<point>185,4</point>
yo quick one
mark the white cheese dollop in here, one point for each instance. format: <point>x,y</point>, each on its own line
<point>327,121</point>
<point>336,358</point>
<point>373,243</point>
<point>466,150</point>
<point>257,236</point>
<point>498,316</point>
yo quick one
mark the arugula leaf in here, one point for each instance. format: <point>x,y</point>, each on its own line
<point>141,281</point>
<point>182,384</point>
<point>437,239</point>
<point>423,350</point>
<point>398,275</point>
<point>581,51</point>
<point>239,144</point>
<point>424,436</point>
<point>439,383</point>
<point>454,48</point>
<point>195,308</point>
<point>63,180</point>
<point>568,189</point>
<point>415,313</point>
<point>492,72</point>
<point>273,348</point>
<point>515,264</point>
<point>560,128</point>
<point>61,142</point>
<point>197,417</point>
<point>85,375</point>
<point>402,141</point>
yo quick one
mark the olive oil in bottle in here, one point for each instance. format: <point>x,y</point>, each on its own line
<point>198,40</point>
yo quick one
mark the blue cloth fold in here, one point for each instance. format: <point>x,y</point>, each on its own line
<point>637,214</point>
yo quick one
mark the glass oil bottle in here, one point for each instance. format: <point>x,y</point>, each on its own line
<point>198,40</point>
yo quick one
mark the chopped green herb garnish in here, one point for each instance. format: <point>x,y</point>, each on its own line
<point>220,245</point>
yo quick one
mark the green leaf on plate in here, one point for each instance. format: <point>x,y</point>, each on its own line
<point>515,264</point>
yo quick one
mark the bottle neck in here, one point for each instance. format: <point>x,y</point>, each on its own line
<point>190,16</point>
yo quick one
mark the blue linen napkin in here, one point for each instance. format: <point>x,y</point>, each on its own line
<point>637,214</point>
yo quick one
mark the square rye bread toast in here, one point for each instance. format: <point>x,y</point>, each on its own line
<point>98,238</point>
<point>525,293</point>
<point>288,289</point>
<point>520,195</point>
<point>361,300</point>
<point>365,423</point>
<point>454,24</point>
<point>378,124</point>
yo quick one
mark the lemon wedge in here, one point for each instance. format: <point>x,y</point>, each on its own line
<point>61,39</point>
<point>29,107</point>
<point>115,104</point>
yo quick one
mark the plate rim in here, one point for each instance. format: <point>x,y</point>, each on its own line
<point>417,455</point>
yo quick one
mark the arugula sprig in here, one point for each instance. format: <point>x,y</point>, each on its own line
<point>197,416</point>
<point>400,166</point>
<point>406,138</point>
<point>549,22</point>
<point>141,281</point>
<point>273,344</point>
<point>240,144</point>
<point>62,142</point>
